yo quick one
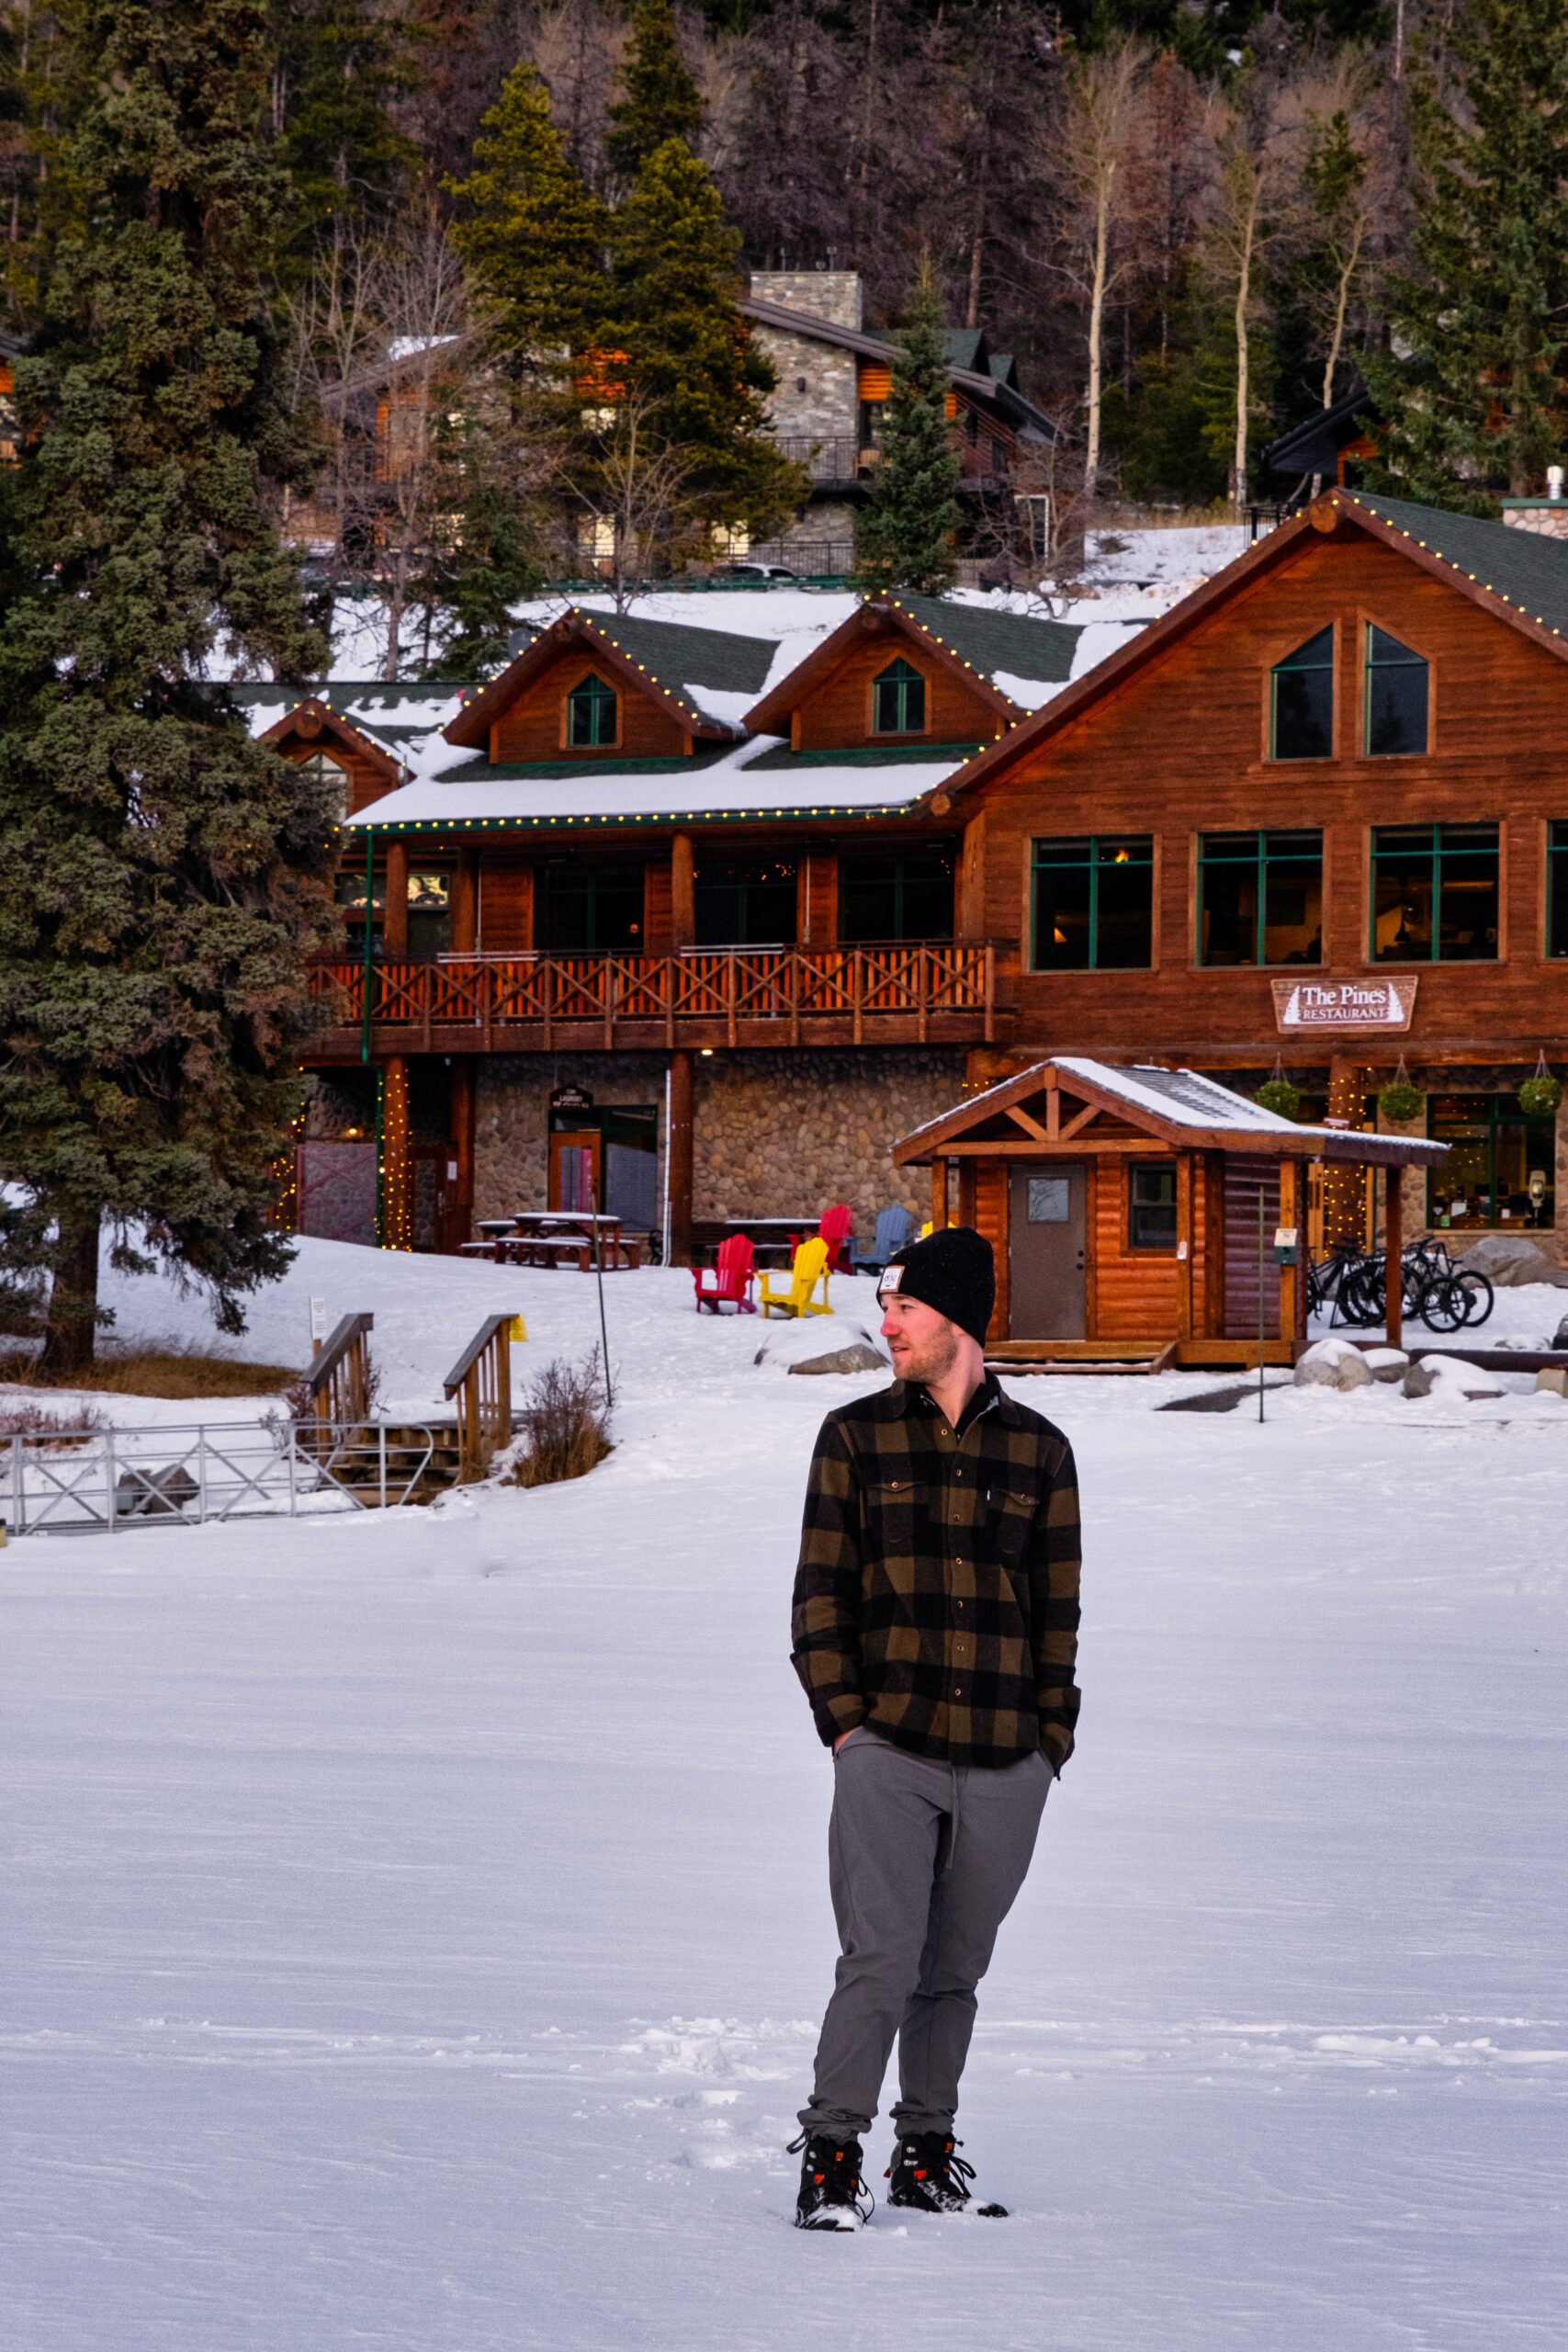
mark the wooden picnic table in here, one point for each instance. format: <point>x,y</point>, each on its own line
<point>777,1235</point>
<point>554,1237</point>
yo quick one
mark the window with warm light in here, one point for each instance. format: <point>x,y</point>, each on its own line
<point>1300,707</point>
<point>1435,894</point>
<point>898,701</point>
<point>1093,907</point>
<point>587,908</point>
<point>591,714</point>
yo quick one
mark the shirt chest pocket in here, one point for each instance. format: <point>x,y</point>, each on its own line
<point>893,1509</point>
<point>1010,1518</point>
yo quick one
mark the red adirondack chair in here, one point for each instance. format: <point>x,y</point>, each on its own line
<point>834,1231</point>
<point>732,1280</point>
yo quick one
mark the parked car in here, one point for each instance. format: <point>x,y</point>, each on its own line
<point>745,569</point>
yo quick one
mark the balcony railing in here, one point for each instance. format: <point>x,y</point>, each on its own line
<point>943,991</point>
<point>830,459</point>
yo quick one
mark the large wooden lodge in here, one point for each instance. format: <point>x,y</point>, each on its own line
<point>711,922</point>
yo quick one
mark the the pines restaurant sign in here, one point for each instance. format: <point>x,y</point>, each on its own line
<point>1344,1004</point>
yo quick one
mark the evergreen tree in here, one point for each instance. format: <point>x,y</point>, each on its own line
<point>907,531</point>
<point>338,69</point>
<point>683,351</point>
<point>489,561</point>
<point>533,239</point>
<point>660,98</point>
<point>166,877</point>
<point>1472,388</point>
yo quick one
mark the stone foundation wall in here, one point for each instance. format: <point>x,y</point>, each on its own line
<point>774,1133</point>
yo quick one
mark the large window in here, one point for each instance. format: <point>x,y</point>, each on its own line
<point>897,894</point>
<point>1396,697</point>
<point>898,701</point>
<point>1094,904</point>
<point>1300,716</point>
<point>1557,888</point>
<point>591,910</point>
<point>591,714</point>
<point>1434,894</point>
<point>430,913</point>
<point>1493,1152</point>
<point>745,902</point>
<point>1151,1205</point>
<point>1260,897</point>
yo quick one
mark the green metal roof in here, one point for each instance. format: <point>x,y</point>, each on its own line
<point>478,769</point>
<point>990,641</point>
<point>1527,568</point>
<point>679,656</point>
<point>867,755</point>
<point>961,346</point>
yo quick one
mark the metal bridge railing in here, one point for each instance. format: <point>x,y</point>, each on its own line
<point>101,1481</point>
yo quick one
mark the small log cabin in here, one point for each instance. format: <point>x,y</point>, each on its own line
<point>1134,1212</point>
<point>752,906</point>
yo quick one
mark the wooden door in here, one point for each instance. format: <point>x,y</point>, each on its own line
<point>575,1179</point>
<point>1046,1252</point>
<point>1249,1184</point>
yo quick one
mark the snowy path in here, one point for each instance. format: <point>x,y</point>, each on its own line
<point>415,1931</point>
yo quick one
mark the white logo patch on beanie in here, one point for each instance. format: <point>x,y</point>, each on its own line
<point>891,1279</point>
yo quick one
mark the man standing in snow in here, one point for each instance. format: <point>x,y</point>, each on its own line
<point>935,1632</point>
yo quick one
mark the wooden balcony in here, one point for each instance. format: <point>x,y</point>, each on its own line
<point>913,994</point>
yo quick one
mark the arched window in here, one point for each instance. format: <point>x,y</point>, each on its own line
<point>1302,708</point>
<point>1395,697</point>
<point>898,701</point>
<point>591,714</point>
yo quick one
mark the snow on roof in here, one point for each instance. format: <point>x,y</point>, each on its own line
<point>717,787</point>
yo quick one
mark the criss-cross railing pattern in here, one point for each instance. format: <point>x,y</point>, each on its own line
<point>730,990</point>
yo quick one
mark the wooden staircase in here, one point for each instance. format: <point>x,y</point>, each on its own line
<point>1099,1356</point>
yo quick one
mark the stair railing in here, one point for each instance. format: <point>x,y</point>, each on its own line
<point>337,1386</point>
<point>481,1382</point>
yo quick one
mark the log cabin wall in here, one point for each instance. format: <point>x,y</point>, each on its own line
<point>506,906</point>
<point>1136,1291</point>
<point>1179,749</point>
<point>834,714</point>
<point>534,727</point>
<point>991,1220</point>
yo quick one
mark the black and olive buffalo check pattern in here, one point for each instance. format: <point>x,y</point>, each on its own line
<point>936,1595</point>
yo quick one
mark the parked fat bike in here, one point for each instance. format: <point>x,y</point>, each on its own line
<point>1352,1283</point>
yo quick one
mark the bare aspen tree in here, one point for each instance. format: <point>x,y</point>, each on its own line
<point>1353,207</point>
<point>1093,171</point>
<point>635,510</point>
<point>1251,213</point>
<point>425,306</point>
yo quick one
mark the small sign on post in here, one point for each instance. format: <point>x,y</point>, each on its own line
<point>1285,1251</point>
<point>318,1326</point>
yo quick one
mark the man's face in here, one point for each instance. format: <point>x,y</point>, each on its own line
<point>922,1343</point>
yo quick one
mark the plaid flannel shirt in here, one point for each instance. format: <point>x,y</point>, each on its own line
<point>936,1595</point>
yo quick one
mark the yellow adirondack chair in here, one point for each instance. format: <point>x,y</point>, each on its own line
<point>811,1267</point>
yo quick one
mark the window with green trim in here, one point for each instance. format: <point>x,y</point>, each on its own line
<point>1435,894</point>
<point>589,908</point>
<point>1494,1151</point>
<point>898,701</point>
<point>897,894</point>
<point>1557,886</point>
<point>591,714</point>
<point>1260,897</point>
<point>745,902</point>
<point>1151,1205</point>
<point>1396,716</point>
<point>1093,904</point>
<point>1301,708</point>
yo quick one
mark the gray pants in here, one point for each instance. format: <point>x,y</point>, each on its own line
<point>924,1861</point>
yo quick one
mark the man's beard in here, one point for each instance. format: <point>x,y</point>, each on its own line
<point>931,1364</point>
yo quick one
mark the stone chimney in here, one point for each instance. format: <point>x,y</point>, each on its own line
<point>830,294</point>
<point>1548,516</point>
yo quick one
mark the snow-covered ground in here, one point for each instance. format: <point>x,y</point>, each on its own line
<point>416,1927</point>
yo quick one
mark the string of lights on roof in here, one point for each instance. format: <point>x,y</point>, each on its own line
<point>1539,619</point>
<point>635,817</point>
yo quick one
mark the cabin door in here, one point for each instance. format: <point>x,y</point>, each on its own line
<point>575,1182</point>
<point>1046,1252</point>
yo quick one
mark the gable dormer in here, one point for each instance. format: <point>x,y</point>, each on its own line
<point>602,687</point>
<point>907,673</point>
<point>312,730</point>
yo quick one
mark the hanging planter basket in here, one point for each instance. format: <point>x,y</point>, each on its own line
<point>1400,1101</point>
<point>1540,1095</point>
<point>1276,1093</point>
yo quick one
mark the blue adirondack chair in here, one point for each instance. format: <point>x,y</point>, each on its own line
<point>894,1227</point>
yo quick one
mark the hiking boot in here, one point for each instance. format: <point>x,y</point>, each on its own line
<point>832,2194</point>
<point>928,2177</point>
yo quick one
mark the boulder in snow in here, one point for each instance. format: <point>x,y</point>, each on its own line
<point>858,1357</point>
<point>1553,1379</point>
<point>1452,1377</point>
<point>1332,1363</point>
<point>1389,1365</point>
<point>1510,1260</point>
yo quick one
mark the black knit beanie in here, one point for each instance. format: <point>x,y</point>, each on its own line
<point>952,1270</point>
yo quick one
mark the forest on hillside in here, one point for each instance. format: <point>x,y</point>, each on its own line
<point>1191,222</point>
